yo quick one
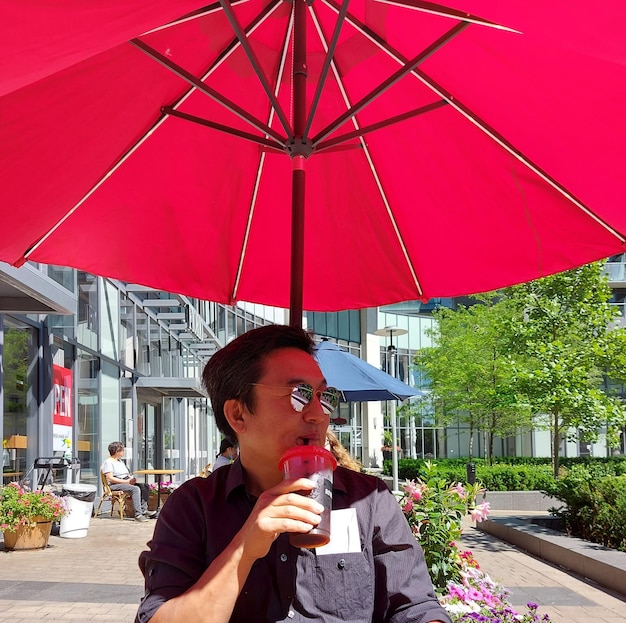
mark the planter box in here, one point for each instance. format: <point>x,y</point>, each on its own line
<point>152,501</point>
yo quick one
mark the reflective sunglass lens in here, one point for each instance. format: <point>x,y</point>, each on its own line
<point>329,400</point>
<point>301,396</point>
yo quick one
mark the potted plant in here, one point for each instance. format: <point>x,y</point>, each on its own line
<point>166,489</point>
<point>387,446</point>
<point>26,516</point>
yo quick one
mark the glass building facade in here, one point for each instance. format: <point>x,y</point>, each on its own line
<point>123,363</point>
<point>87,360</point>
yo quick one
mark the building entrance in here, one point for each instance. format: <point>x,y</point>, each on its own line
<point>149,435</point>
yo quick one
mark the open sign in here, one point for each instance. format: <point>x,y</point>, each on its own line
<point>62,392</point>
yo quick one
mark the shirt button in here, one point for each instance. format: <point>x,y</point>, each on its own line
<point>283,558</point>
<point>291,614</point>
<point>341,564</point>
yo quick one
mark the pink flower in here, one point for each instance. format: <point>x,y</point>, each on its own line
<point>480,512</point>
<point>459,489</point>
<point>408,506</point>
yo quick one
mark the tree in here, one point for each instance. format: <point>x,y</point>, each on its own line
<point>470,370</point>
<point>563,333</point>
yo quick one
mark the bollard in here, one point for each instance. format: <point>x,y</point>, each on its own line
<point>471,473</point>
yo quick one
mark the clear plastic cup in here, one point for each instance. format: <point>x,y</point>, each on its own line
<point>317,464</point>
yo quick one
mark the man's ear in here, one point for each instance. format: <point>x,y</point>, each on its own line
<point>234,412</point>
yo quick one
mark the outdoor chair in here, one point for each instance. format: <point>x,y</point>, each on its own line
<point>121,497</point>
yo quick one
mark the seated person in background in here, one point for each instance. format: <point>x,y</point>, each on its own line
<point>220,552</point>
<point>228,453</point>
<point>120,479</point>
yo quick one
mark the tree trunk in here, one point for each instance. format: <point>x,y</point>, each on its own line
<point>471,439</point>
<point>555,443</point>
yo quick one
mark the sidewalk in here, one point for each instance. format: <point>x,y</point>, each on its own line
<point>564,597</point>
<point>96,579</point>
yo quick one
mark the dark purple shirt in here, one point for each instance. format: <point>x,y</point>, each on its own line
<point>387,581</point>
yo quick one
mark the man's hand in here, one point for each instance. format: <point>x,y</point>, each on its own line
<point>279,509</point>
<point>132,481</point>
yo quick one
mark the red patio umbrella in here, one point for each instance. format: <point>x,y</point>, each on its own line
<point>326,155</point>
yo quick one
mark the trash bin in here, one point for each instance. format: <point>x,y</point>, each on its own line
<point>79,499</point>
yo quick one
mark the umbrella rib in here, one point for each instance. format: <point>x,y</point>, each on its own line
<point>254,61</point>
<point>477,121</point>
<point>222,56</point>
<point>253,138</point>
<point>369,129</point>
<point>408,67</point>
<point>207,90</point>
<point>271,7</point>
<point>327,61</point>
<point>516,153</point>
<point>370,162</point>
<point>257,181</point>
<point>202,12</point>
<point>123,158</point>
<point>444,11</point>
<point>251,27</point>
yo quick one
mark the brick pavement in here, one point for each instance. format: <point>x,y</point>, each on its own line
<point>563,596</point>
<point>96,579</point>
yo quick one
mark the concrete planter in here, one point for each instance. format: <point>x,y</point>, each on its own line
<point>520,501</point>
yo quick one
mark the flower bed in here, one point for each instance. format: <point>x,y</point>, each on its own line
<point>166,487</point>
<point>479,598</point>
<point>434,510</point>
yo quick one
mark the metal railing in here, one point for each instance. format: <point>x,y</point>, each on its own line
<point>615,271</point>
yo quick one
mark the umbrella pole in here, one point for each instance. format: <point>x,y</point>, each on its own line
<point>297,241</point>
<point>298,175</point>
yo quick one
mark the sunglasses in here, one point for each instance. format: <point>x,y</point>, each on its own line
<point>302,394</point>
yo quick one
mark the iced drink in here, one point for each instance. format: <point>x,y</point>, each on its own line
<point>317,464</point>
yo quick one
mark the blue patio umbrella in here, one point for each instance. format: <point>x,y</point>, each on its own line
<point>358,380</point>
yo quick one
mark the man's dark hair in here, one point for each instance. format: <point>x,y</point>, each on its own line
<point>231,371</point>
<point>115,446</point>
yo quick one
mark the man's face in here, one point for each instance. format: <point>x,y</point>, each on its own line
<point>275,426</point>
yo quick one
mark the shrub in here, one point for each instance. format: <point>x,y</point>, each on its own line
<point>434,510</point>
<point>595,507</point>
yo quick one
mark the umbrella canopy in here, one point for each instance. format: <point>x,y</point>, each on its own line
<point>327,155</point>
<point>358,380</point>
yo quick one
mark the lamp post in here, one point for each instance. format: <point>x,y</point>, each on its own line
<point>391,355</point>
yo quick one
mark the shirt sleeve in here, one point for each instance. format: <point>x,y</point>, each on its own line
<point>404,590</point>
<point>177,553</point>
<point>108,467</point>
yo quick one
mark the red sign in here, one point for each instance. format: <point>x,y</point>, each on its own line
<point>62,389</point>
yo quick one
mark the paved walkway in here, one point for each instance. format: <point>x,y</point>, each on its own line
<point>91,579</point>
<point>96,579</point>
<point>563,596</point>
